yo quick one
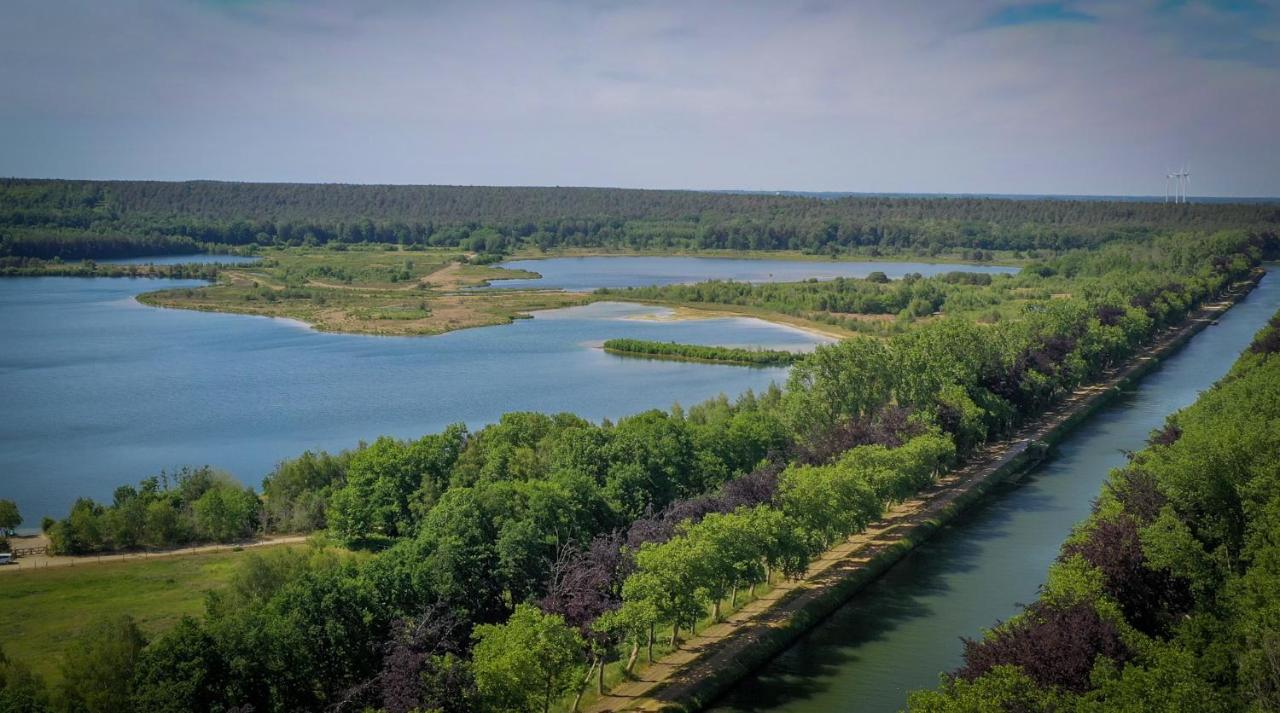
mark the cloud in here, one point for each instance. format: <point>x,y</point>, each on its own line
<point>872,96</point>
<point>1033,13</point>
<point>1222,30</point>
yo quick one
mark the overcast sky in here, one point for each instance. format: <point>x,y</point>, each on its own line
<point>894,96</point>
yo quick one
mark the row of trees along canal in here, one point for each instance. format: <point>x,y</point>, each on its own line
<point>515,558</point>
<point>1166,598</point>
<point>98,219</point>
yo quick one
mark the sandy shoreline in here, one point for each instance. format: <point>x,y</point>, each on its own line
<point>683,314</point>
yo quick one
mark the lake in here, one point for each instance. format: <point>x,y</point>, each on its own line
<point>583,274</point>
<point>97,390</point>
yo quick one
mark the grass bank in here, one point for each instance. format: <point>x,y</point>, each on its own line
<point>43,610</point>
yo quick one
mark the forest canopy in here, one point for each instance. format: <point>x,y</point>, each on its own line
<point>100,219</point>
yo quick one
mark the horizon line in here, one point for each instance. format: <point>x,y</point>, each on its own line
<point>795,192</point>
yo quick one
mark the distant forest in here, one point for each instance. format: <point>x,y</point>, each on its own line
<point>74,220</point>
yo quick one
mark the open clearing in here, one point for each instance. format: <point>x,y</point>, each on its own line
<point>42,611</point>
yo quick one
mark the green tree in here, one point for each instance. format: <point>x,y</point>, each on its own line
<point>164,525</point>
<point>98,670</point>
<point>21,691</point>
<point>226,512</point>
<point>524,664</point>
<point>828,502</point>
<point>182,671</point>
<point>734,555</point>
<point>837,382</point>
<point>652,459</point>
<point>671,578</point>
<point>80,532</point>
<point>10,518</point>
<point>1004,688</point>
<point>385,478</point>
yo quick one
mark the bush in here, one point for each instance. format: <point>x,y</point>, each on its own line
<point>1053,645</point>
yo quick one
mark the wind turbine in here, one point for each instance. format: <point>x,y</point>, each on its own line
<point>1182,178</point>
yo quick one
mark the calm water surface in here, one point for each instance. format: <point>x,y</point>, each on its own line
<point>899,633</point>
<point>97,390</point>
<point>589,273</point>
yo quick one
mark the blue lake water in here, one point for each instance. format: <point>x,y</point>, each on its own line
<point>97,390</point>
<point>588,273</point>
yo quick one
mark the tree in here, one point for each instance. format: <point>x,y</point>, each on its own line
<point>182,671</point>
<point>10,518</point>
<point>80,532</point>
<point>459,558</point>
<point>98,671</point>
<point>652,459</point>
<point>384,480</point>
<point>838,382</point>
<point>425,666</point>
<point>733,556</point>
<point>828,502</point>
<point>585,586</point>
<point>1004,688</point>
<point>21,691</point>
<point>672,576</point>
<point>164,525</point>
<point>226,512</point>
<point>1054,645</point>
<point>524,664</point>
<point>296,491</point>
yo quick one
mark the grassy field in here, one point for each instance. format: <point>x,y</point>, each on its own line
<point>42,611</point>
<point>368,290</point>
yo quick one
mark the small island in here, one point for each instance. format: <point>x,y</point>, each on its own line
<point>697,352</point>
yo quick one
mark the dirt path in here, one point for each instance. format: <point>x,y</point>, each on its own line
<point>683,674</point>
<point>34,562</point>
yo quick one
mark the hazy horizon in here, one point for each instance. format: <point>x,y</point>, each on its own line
<point>1192,197</point>
<point>1083,98</point>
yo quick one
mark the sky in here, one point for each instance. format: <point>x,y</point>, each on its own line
<point>919,96</point>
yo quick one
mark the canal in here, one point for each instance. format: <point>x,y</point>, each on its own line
<point>898,634</point>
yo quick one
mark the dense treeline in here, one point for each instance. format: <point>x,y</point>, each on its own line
<point>854,303</point>
<point>515,558</point>
<point>36,267</point>
<point>836,301</point>
<point>194,504</point>
<point>1168,597</point>
<point>700,352</point>
<point>98,219</point>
